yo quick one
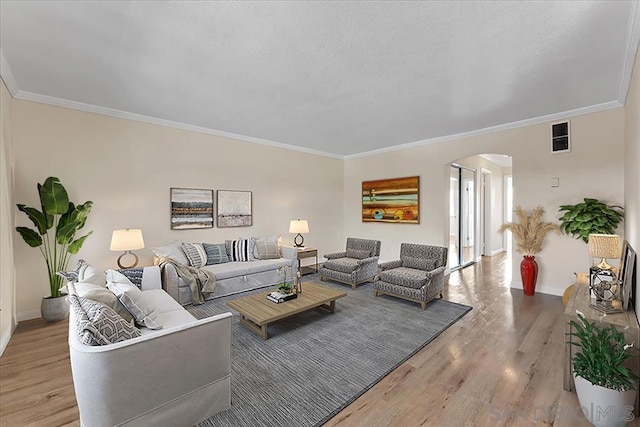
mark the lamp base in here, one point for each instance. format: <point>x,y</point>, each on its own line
<point>135,262</point>
<point>295,240</point>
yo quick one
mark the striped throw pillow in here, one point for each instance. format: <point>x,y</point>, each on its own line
<point>195,254</point>
<point>240,250</point>
<point>216,253</point>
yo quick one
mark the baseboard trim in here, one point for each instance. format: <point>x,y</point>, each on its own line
<point>549,290</point>
<point>6,337</point>
<point>28,315</point>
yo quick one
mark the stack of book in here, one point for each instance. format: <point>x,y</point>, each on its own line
<point>279,297</point>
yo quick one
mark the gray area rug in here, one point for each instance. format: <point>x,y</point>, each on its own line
<point>315,364</point>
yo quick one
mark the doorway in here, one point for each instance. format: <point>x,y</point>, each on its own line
<point>462,216</point>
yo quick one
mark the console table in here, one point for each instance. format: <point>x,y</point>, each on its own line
<point>625,321</point>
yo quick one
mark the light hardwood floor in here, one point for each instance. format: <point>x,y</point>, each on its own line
<point>501,365</point>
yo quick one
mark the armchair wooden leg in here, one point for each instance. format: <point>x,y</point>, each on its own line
<point>353,286</point>
<point>423,304</point>
<point>322,278</point>
<point>441,295</point>
<point>375,292</point>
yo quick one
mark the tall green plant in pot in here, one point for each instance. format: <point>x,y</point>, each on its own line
<point>606,388</point>
<point>56,226</point>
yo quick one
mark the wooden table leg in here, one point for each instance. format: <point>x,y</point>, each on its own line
<point>258,329</point>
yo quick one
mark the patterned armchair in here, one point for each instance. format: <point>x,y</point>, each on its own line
<point>356,265</point>
<point>417,276</point>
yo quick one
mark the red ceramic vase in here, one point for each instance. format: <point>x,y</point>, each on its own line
<point>529,273</point>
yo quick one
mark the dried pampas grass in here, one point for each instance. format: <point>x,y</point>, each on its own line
<point>529,230</point>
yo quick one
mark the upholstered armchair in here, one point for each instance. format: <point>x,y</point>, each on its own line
<point>356,265</point>
<point>417,276</point>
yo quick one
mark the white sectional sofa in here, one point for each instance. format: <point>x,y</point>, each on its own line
<point>145,381</point>
<point>231,277</point>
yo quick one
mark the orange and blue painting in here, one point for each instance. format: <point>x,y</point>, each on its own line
<point>391,200</point>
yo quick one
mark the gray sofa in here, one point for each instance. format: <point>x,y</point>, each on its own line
<point>234,277</point>
<point>141,381</point>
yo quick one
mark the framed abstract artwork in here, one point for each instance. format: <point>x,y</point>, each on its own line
<point>391,200</point>
<point>234,208</point>
<point>626,273</point>
<point>191,208</point>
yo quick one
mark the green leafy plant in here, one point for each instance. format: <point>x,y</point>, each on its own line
<point>56,227</point>
<point>590,217</point>
<point>602,355</point>
<point>529,230</point>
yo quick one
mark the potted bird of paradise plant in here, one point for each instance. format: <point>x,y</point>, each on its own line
<point>55,231</point>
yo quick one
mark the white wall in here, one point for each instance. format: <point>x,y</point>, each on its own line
<point>632,169</point>
<point>7,270</point>
<point>126,168</point>
<point>591,169</point>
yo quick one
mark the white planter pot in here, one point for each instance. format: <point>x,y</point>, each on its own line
<point>54,309</point>
<point>604,407</point>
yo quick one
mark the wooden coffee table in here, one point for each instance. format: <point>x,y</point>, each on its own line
<point>257,312</point>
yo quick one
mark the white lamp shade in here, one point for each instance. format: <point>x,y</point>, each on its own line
<point>127,239</point>
<point>300,226</point>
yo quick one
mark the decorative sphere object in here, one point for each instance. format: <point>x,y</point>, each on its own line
<point>616,303</point>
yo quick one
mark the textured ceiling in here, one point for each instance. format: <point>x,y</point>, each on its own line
<point>333,77</point>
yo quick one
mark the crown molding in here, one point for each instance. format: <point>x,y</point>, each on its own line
<point>633,42</point>
<point>493,129</point>
<point>90,108</point>
<point>7,75</point>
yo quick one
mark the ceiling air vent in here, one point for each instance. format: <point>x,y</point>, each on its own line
<point>560,142</point>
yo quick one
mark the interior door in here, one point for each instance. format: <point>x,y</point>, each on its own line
<point>462,216</point>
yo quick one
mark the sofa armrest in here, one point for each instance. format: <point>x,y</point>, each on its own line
<point>149,368</point>
<point>390,264</point>
<point>171,281</point>
<point>289,252</point>
<point>335,255</point>
<point>435,279</point>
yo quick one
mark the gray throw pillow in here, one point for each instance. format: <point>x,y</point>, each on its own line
<point>358,253</point>
<point>418,263</point>
<point>216,253</point>
<point>98,324</point>
<point>267,248</point>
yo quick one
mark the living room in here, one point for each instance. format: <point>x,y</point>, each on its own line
<point>127,166</point>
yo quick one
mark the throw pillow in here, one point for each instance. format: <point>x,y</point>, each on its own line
<point>173,251</point>
<point>97,324</point>
<point>240,250</point>
<point>216,253</point>
<point>101,294</point>
<point>86,270</point>
<point>358,253</point>
<point>267,248</point>
<point>195,254</point>
<point>418,263</point>
<point>133,299</point>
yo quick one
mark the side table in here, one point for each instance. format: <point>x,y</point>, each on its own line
<point>307,252</point>
<point>625,322</point>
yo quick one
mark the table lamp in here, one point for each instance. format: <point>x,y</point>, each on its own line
<point>127,240</point>
<point>604,246</point>
<point>299,226</point>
